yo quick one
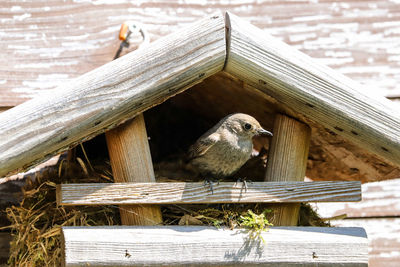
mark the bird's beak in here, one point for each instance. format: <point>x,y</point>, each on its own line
<point>262,131</point>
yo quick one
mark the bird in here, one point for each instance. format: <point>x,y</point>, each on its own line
<point>222,150</point>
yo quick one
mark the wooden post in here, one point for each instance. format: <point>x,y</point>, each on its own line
<point>287,161</point>
<point>131,162</point>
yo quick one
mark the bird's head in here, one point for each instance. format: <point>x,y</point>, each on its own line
<point>244,125</point>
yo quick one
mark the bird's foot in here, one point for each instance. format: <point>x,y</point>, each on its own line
<point>210,183</point>
<point>245,183</point>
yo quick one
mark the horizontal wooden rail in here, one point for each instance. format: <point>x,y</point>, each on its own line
<point>200,245</point>
<point>180,193</point>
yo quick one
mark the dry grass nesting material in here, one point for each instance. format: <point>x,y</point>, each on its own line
<point>36,223</point>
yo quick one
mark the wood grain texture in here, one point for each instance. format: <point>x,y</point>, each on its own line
<point>47,43</point>
<point>197,245</point>
<point>287,161</point>
<point>129,151</point>
<point>384,239</point>
<point>379,199</point>
<point>130,160</point>
<point>111,94</point>
<point>316,91</point>
<point>378,213</point>
<point>331,156</point>
<point>224,192</point>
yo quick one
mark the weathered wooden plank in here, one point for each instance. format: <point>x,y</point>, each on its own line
<point>321,94</point>
<point>224,192</point>
<point>111,94</point>
<point>379,199</point>
<point>384,239</point>
<point>197,245</point>
<point>45,44</point>
<point>287,161</point>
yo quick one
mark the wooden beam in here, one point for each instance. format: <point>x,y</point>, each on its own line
<point>199,245</point>
<point>131,162</point>
<point>109,95</point>
<point>224,192</point>
<point>5,239</point>
<point>287,161</point>
<point>312,89</point>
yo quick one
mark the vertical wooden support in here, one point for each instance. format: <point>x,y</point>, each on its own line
<point>131,162</point>
<point>287,161</point>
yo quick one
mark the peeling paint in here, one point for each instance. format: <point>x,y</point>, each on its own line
<point>22,17</point>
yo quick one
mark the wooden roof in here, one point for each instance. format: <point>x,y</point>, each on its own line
<point>361,133</point>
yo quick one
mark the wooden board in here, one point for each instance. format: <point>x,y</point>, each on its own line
<point>111,94</point>
<point>45,44</point>
<point>384,239</point>
<point>379,199</point>
<point>199,245</point>
<point>224,192</point>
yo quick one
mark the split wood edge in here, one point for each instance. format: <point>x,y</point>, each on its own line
<point>202,245</point>
<point>190,193</point>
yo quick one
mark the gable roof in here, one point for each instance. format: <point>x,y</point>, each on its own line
<point>119,90</point>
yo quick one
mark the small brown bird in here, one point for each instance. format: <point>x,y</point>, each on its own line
<point>223,149</point>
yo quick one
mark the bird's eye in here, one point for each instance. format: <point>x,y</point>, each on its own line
<point>247,126</point>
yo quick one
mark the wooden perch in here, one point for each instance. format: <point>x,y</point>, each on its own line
<point>179,193</point>
<point>312,89</point>
<point>111,94</point>
<point>199,245</point>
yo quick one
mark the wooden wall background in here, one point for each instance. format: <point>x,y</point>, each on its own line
<point>379,214</point>
<point>44,43</point>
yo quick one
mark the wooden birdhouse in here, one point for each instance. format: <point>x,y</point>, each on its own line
<point>324,127</point>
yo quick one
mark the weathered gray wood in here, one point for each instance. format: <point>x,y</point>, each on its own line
<point>379,199</point>
<point>383,236</point>
<point>41,50</point>
<point>224,192</point>
<point>197,245</point>
<point>316,91</point>
<point>111,94</point>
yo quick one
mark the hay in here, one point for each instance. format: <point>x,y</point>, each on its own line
<point>36,223</point>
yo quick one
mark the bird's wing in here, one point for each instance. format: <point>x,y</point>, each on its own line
<point>202,146</point>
